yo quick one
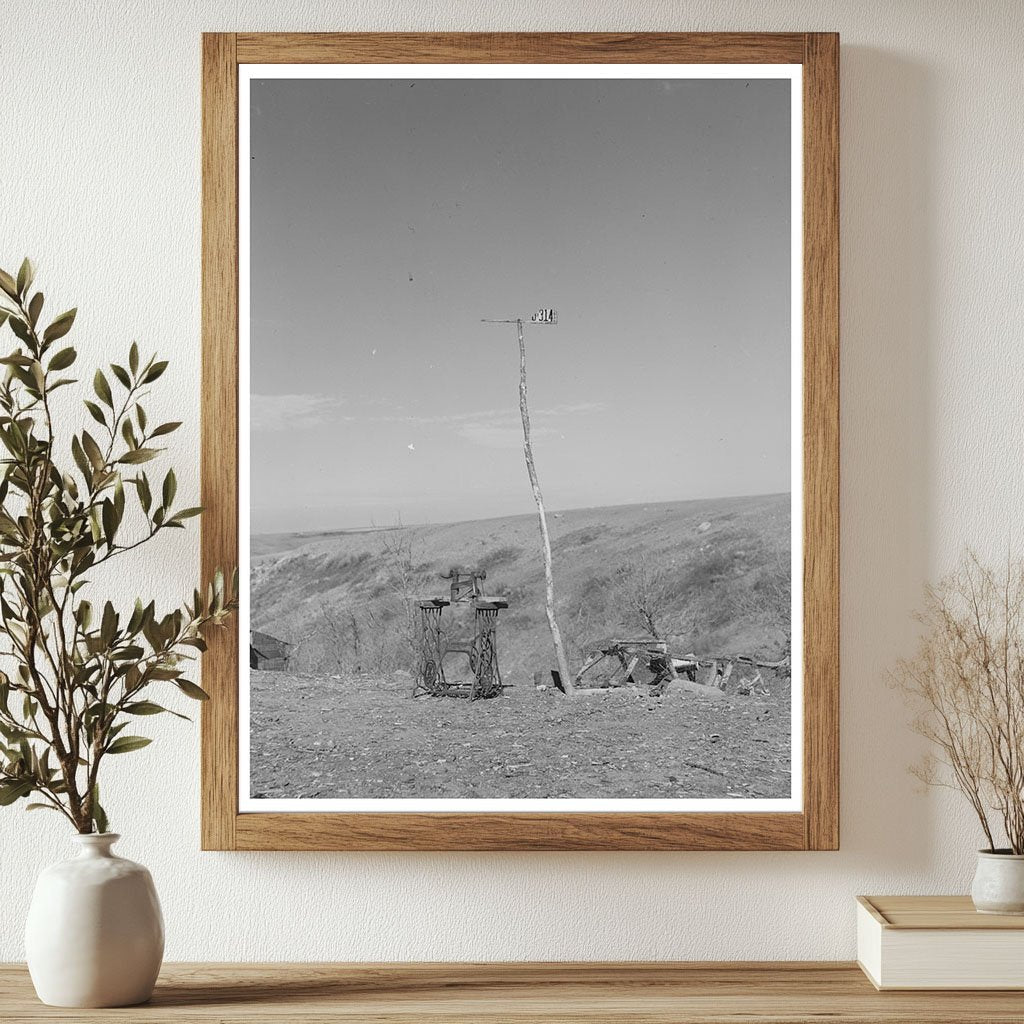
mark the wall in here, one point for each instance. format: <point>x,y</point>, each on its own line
<point>99,167</point>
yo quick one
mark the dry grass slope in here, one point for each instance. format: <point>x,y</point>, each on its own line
<point>714,573</point>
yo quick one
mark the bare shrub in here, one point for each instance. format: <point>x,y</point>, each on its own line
<point>967,682</point>
<point>640,590</point>
<point>403,579</point>
<point>374,628</point>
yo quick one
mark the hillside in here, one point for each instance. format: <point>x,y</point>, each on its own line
<point>713,574</point>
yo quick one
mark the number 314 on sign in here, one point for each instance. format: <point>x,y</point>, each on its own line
<point>545,316</point>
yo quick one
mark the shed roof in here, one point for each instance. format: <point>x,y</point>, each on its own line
<point>267,646</point>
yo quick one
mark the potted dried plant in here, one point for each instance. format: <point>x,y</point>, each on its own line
<point>77,672</point>
<point>967,682</point>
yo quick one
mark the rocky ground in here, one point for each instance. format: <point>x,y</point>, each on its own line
<point>364,737</point>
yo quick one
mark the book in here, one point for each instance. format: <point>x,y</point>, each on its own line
<point>938,942</point>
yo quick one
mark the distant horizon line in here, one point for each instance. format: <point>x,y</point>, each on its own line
<point>372,528</point>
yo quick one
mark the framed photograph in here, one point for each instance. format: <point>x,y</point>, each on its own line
<point>520,420</point>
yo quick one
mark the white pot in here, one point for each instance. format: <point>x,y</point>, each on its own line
<point>95,934</point>
<point>999,883</point>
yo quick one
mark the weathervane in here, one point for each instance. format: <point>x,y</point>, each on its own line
<point>544,317</point>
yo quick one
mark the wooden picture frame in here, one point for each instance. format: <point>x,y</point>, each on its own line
<point>816,826</point>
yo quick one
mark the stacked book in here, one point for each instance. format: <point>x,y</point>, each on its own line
<point>938,942</point>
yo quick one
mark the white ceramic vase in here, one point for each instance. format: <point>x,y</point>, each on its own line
<point>95,934</point>
<point>999,883</point>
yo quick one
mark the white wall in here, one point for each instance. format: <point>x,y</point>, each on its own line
<point>99,181</point>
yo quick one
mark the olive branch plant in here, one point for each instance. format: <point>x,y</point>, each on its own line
<point>78,674</point>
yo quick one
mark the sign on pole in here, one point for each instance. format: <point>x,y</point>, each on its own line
<point>545,316</point>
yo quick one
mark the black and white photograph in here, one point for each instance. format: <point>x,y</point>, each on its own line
<point>521,378</point>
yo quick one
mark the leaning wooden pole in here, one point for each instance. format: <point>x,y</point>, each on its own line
<point>549,578</point>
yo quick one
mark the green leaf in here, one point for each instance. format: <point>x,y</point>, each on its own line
<point>96,711</point>
<point>164,672</point>
<point>154,371</point>
<point>102,388</point>
<point>137,617</point>
<point>84,614</point>
<point>8,284</point>
<point>191,690</point>
<point>92,449</point>
<point>121,374</point>
<point>185,513</point>
<point>16,359</point>
<point>94,525</point>
<point>119,499</point>
<point>12,733</point>
<point>170,488</point>
<point>139,455</point>
<point>133,358</point>
<point>99,816</point>
<point>143,707</point>
<point>165,428</point>
<point>128,433</point>
<point>109,521</point>
<point>145,497</point>
<point>108,625</point>
<point>10,442</point>
<point>130,653</point>
<point>147,707</point>
<point>60,326</point>
<point>26,274</point>
<point>40,807</point>
<point>63,359</point>
<point>126,744</point>
<point>95,412</point>
<point>80,458</point>
<point>20,329</point>
<point>35,308</point>
<point>11,791</point>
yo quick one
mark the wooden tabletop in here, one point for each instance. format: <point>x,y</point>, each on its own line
<point>663,993</point>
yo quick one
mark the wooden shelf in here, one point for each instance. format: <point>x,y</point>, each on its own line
<point>658,993</point>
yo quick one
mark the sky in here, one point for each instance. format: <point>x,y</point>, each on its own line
<point>389,217</point>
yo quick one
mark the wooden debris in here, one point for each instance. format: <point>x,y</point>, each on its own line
<point>625,655</point>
